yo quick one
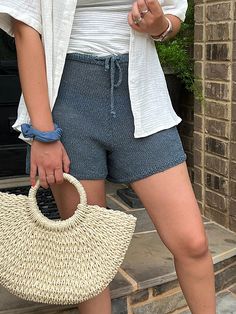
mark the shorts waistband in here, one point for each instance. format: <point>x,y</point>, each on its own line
<point>90,58</point>
<point>110,63</point>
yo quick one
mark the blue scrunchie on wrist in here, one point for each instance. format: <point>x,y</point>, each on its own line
<point>51,136</point>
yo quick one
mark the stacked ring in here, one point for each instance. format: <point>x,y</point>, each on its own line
<point>139,19</point>
<point>142,13</point>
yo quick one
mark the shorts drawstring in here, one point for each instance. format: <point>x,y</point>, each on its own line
<point>111,62</point>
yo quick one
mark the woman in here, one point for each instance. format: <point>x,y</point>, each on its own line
<point>91,67</point>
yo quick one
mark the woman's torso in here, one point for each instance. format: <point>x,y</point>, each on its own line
<point>101,27</point>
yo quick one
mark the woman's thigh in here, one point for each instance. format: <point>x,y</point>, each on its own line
<point>169,198</point>
<point>67,197</point>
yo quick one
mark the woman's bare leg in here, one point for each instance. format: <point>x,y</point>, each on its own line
<point>67,199</point>
<point>170,201</point>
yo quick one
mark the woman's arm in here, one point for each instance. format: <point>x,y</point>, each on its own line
<point>48,160</point>
<point>32,71</point>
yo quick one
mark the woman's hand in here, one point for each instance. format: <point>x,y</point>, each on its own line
<point>153,22</point>
<point>49,160</point>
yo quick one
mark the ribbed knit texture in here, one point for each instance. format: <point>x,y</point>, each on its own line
<point>101,27</point>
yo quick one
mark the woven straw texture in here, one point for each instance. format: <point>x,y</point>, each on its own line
<point>64,261</point>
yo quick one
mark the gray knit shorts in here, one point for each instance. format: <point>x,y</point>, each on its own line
<point>93,109</point>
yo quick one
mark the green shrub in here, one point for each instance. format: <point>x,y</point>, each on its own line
<point>177,53</point>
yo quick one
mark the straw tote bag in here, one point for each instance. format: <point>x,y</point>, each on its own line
<point>64,261</point>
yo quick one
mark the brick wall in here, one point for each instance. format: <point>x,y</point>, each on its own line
<point>185,128</point>
<point>215,120</point>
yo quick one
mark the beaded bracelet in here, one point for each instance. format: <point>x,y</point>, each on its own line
<point>51,136</point>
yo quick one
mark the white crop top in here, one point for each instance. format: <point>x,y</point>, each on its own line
<point>101,27</point>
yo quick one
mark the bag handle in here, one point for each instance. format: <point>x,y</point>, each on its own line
<point>37,215</point>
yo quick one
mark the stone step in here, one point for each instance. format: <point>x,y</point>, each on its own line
<point>164,298</point>
<point>146,282</point>
<point>225,302</point>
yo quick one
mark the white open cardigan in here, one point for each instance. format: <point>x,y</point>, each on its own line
<point>150,101</point>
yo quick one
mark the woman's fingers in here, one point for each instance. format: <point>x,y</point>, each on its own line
<point>143,8</point>
<point>42,177</point>
<point>59,176</point>
<point>150,21</point>
<point>33,173</point>
<point>65,160</point>
<point>135,16</point>
<point>130,20</point>
<point>50,159</point>
<point>64,166</point>
<point>50,177</point>
<point>135,11</point>
<point>154,6</point>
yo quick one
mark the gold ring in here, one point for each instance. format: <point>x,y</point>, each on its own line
<point>137,20</point>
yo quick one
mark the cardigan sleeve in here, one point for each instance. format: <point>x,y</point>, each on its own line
<point>25,11</point>
<point>175,7</point>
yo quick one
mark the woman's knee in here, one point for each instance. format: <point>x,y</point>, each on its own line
<point>192,247</point>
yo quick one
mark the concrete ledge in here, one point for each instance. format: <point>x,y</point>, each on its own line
<point>14,182</point>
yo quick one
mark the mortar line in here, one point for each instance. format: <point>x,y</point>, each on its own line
<point>128,278</point>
